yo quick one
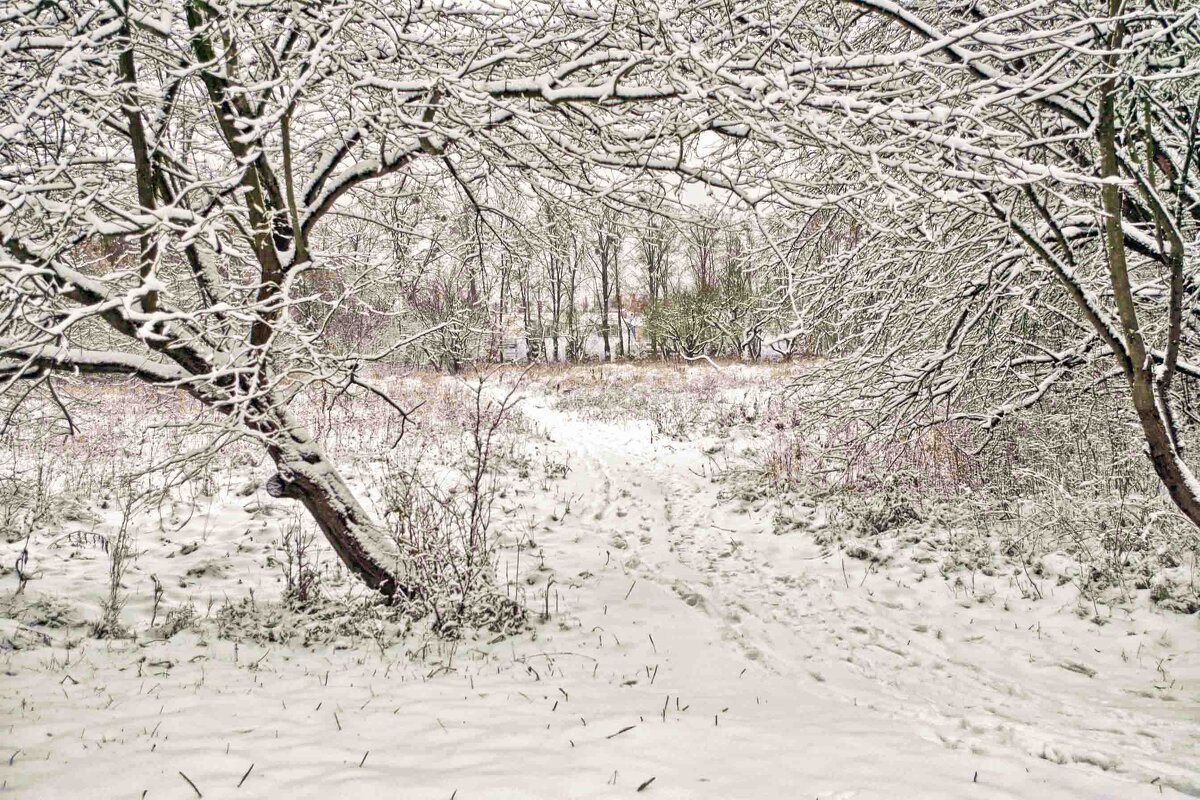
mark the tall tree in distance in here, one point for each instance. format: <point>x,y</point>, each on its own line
<point>605,256</point>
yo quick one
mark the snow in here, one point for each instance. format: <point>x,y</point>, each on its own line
<point>688,642</point>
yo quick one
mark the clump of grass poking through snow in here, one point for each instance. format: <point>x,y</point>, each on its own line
<point>443,520</point>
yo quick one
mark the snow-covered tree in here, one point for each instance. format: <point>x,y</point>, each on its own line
<point>1024,184</point>
<point>169,172</point>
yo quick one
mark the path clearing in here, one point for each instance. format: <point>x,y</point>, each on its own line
<point>690,651</point>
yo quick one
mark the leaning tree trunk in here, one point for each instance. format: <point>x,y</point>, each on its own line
<point>1153,413</point>
<point>1168,463</point>
<point>364,546</point>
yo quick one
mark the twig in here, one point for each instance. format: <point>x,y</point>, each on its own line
<point>189,781</point>
<point>618,733</point>
<point>712,363</point>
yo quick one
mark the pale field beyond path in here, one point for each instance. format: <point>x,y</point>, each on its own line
<point>686,644</point>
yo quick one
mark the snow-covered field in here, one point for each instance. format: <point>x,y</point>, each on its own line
<point>683,643</point>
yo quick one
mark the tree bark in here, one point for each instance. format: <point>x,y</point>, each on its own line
<point>364,546</point>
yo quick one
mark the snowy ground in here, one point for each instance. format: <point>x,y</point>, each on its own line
<point>692,651</point>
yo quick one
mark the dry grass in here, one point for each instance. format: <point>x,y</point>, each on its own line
<point>179,456</point>
<point>1048,483</point>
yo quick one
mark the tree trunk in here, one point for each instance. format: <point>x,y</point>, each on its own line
<point>1160,439</point>
<point>621,351</point>
<point>364,546</point>
<point>604,289</point>
<point>499,333</point>
<point>541,331</point>
<point>604,249</point>
<point>1168,464</point>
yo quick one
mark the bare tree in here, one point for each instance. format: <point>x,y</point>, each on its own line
<point>557,259</point>
<point>604,258</point>
<point>655,242</point>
